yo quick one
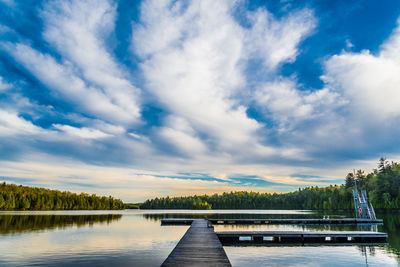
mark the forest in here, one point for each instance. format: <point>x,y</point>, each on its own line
<point>18,197</point>
<point>382,185</point>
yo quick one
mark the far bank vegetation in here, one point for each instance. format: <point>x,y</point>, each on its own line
<point>382,185</point>
<point>18,197</point>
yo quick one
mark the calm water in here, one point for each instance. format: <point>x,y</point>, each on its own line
<point>136,238</point>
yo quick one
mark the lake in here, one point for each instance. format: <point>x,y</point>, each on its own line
<point>136,238</point>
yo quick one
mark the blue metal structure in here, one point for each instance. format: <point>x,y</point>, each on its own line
<point>363,209</point>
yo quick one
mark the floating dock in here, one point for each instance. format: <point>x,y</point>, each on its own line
<point>302,237</point>
<point>344,221</point>
<point>199,246</point>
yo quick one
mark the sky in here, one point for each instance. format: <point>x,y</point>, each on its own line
<point>141,99</point>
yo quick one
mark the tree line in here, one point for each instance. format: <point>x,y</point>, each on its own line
<point>18,197</point>
<point>382,185</point>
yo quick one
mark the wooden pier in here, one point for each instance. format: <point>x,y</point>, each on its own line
<point>344,221</point>
<point>199,246</point>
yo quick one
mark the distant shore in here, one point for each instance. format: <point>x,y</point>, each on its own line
<point>18,197</point>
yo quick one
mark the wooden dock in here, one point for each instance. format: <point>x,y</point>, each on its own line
<point>199,246</point>
<point>324,237</point>
<point>344,221</point>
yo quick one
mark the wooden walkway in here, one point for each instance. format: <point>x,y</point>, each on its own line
<point>199,246</point>
<point>328,237</point>
<point>275,221</point>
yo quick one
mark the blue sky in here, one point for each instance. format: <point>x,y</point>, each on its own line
<point>151,98</point>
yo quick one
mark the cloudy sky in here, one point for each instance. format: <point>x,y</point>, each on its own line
<point>151,98</point>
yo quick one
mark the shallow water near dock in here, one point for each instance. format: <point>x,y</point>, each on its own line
<point>136,238</point>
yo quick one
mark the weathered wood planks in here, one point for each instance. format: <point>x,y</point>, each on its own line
<point>199,246</point>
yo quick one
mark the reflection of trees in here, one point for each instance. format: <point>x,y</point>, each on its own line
<point>27,223</point>
<point>159,216</point>
<point>391,226</point>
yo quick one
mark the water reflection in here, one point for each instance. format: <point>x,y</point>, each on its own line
<point>391,225</point>
<point>136,238</point>
<point>11,224</point>
<point>236,215</point>
<point>364,253</point>
<point>86,239</point>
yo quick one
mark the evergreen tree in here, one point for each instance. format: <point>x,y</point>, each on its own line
<point>13,197</point>
<point>382,184</point>
<point>349,180</point>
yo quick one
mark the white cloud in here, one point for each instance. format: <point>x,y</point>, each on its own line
<point>4,29</point>
<point>193,61</point>
<point>370,82</point>
<point>85,133</point>
<point>11,124</point>
<point>79,29</point>
<point>195,57</point>
<point>194,74</point>
<point>283,99</point>
<point>290,106</point>
<point>276,41</point>
<point>182,136</point>
<point>349,44</point>
<point>357,111</point>
<point>4,85</point>
<point>106,127</point>
<point>391,48</point>
<point>66,85</point>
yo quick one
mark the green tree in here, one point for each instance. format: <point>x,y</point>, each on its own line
<point>382,184</point>
<point>31,198</point>
<point>350,181</point>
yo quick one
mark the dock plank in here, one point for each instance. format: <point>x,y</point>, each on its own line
<point>199,246</point>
